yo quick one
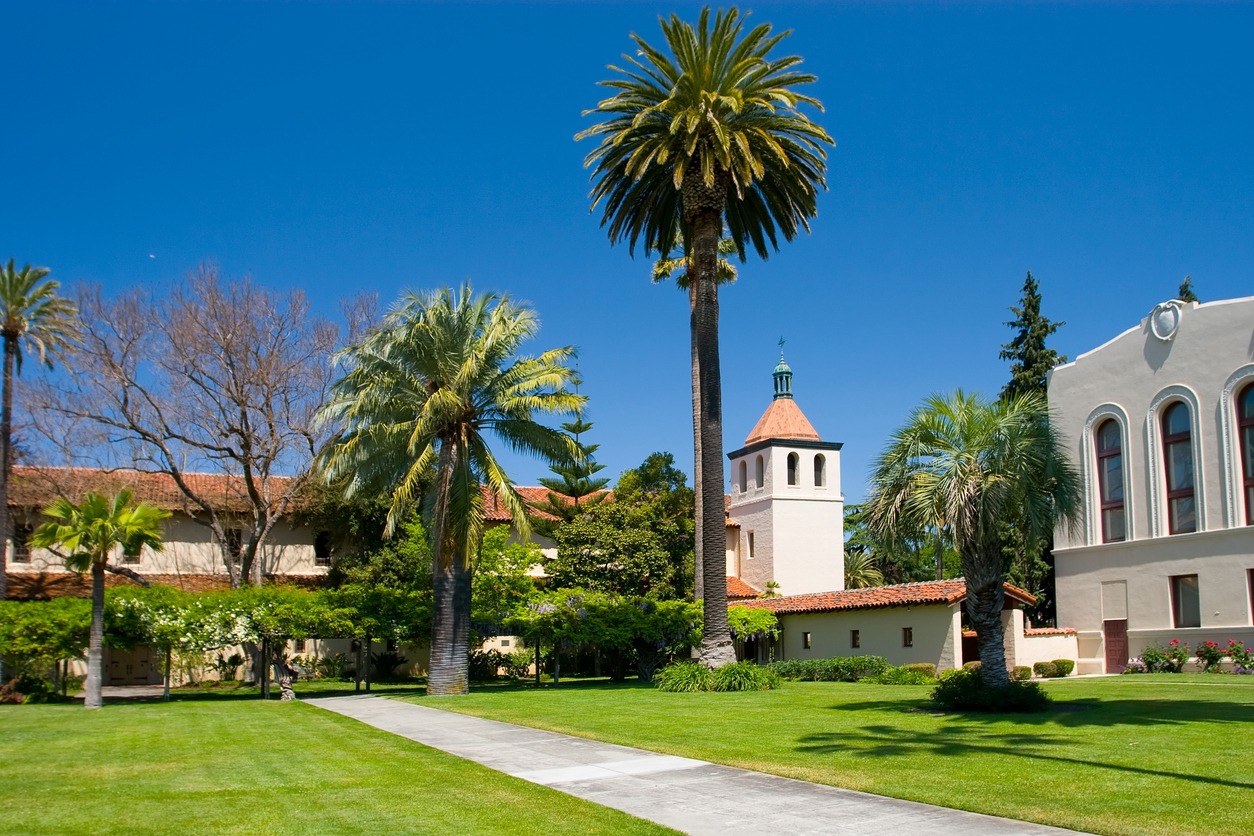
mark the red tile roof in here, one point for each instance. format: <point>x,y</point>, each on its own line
<point>738,590</point>
<point>782,419</point>
<point>494,510</point>
<point>25,586</point>
<point>899,595</point>
<point>1048,631</point>
<point>35,487</point>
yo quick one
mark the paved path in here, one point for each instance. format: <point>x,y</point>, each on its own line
<point>689,795</point>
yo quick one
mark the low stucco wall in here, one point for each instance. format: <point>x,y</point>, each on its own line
<point>937,634</point>
<point>1046,648</point>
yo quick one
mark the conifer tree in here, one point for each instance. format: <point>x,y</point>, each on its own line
<point>1185,293</point>
<point>1030,359</point>
<point>573,489</point>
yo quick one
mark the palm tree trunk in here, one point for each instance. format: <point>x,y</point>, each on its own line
<point>93,697</point>
<point>985,599</point>
<point>6,449</point>
<point>698,554</point>
<point>448,674</point>
<point>716,644</point>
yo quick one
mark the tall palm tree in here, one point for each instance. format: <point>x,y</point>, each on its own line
<point>706,137</point>
<point>430,385</point>
<point>31,314</point>
<point>976,465</point>
<point>677,268</point>
<point>87,534</point>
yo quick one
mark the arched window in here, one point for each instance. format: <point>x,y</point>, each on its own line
<point>793,458</point>
<point>1178,463</point>
<point>744,476</point>
<point>758,476</point>
<point>1110,481</point>
<point>820,471</point>
<point>1245,434</point>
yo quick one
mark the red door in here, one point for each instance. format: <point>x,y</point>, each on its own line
<point>1115,636</point>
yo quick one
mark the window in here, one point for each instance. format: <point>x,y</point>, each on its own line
<point>298,646</point>
<point>820,471</point>
<point>504,642</point>
<point>793,458</point>
<point>751,545</point>
<point>234,543</point>
<point>131,558</point>
<point>1186,605</point>
<point>855,638</point>
<point>758,475</point>
<point>21,542</point>
<point>322,548</point>
<point>1110,481</point>
<point>744,476</point>
<point>805,640</point>
<point>1245,437</point>
<point>1250,583</point>
<point>907,637</point>
<point>1178,459</point>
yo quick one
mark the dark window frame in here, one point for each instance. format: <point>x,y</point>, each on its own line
<point>855,638</point>
<point>21,543</point>
<point>794,464</point>
<point>1104,455</point>
<point>322,548</point>
<point>1245,440</point>
<point>907,637</point>
<point>806,639</point>
<point>1170,441</point>
<point>1179,617</point>
<point>820,471</point>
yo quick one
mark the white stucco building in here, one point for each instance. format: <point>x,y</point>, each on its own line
<point>1161,422</point>
<point>786,509</point>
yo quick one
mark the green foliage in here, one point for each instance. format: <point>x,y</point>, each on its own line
<point>684,677</point>
<point>604,550</point>
<point>965,690</point>
<point>861,572</point>
<point>752,623</point>
<point>36,635</point>
<point>1155,658</point>
<point>900,556</point>
<point>1064,666</point>
<point>1020,673</point>
<point>1185,292</point>
<point>501,582</point>
<point>1045,670</point>
<point>744,676</point>
<point>574,490</point>
<point>401,562</point>
<point>1030,359</point>
<point>904,675</point>
<point>836,669</point>
<point>89,531</point>
<point>926,668</point>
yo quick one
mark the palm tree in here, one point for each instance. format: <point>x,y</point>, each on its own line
<point>976,465</point>
<point>707,137</point>
<point>31,313</point>
<point>861,571</point>
<point>88,533</point>
<point>429,386</point>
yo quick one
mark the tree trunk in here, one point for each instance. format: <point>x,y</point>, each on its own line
<point>985,598</point>
<point>92,696</point>
<point>265,668</point>
<point>449,673</point>
<point>6,449</point>
<point>703,209</point>
<point>698,553</point>
<point>165,691</point>
<point>369,661</point>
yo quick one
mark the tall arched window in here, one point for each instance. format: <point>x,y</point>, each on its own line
<point>744,476</point>
<point>1178,463</point>
<point>758,475</point>
<point>820,471</point>
<point>1245,434</point>
<point>793,458</point>
<point>1110,481</point>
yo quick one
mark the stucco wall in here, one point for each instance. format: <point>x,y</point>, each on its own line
<point>937,634</point>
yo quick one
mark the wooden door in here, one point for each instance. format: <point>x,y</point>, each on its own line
<point>128,667</point>
<point>1115,638</point>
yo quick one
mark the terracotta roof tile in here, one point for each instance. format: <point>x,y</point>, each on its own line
<point>24,586</point>
<point>738,590</point>
<point>494,509</point>
<point>898,595</point>
<point>35,487</point>
<point>1048,631</point>
<point>782,419</point>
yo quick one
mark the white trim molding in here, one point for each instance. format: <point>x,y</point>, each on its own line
<point>1089,475</point>
<point>1230,453</point>
<point>1154,466</point>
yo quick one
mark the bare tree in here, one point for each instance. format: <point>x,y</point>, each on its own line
<point>218,377</point>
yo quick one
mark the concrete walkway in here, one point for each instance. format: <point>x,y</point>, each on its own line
<point>689,795</point>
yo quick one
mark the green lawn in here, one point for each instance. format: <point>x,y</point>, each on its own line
<point>223,765</point>
<point>1134,754</point>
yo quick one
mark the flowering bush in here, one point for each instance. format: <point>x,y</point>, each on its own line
<point>1242,656</point>
<point>1209,656</point>
<point>1157,659</point>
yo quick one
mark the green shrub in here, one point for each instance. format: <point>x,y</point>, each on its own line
<point>1020,673</point>
<point>1045,670</point>
<point>518,664</point>
<point>485,665</point>
<point>1064,666</point>
<point>972,666</point>
<point>922,667</point>
<point>964,690</point>
<point>743,676</point>
<point>835,669</point>
<point>683,677</point>
<point>905,675</point>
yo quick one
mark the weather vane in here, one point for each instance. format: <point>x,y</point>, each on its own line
<point>781,347</point>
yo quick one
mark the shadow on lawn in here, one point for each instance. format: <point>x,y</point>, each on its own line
<point>882,741</point>
<point>1086,712</point>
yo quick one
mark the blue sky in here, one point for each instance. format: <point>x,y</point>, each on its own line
<point>387,146</point>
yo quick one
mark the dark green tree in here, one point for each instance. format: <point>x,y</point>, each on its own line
<point>1185,293</point>
<point>1030,359</point>
<point>575,487</point>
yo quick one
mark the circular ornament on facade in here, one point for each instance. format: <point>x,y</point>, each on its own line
<point>1165,320</point>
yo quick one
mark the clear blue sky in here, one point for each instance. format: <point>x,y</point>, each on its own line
<point>347,147</point>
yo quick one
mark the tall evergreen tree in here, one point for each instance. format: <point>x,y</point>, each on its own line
<point>573,489</point>
<point>1185,293</point>
<point>1030,358</point>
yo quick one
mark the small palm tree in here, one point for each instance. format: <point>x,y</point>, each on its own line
<point>433,384</point>
<point>976,466</point>
<point>861,571</point>
<point>86,535</point>
<point>34,316</point>
<point>704,138</point>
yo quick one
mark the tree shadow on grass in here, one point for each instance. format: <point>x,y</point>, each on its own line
<point>1085,712</point>
<point>964,740</point>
